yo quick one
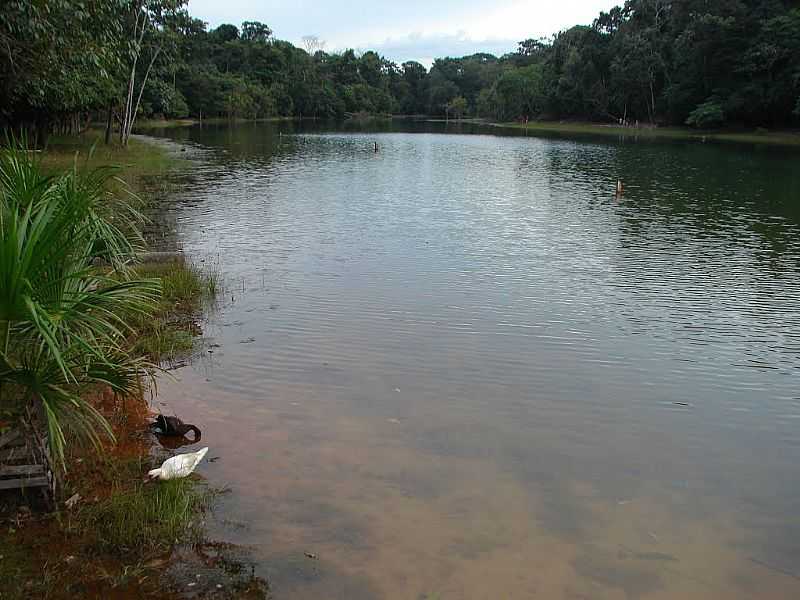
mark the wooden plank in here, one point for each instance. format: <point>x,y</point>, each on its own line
<point>8,436</point>
<point>10,470</point>
<point>11,484</point>
<point>15,454</point>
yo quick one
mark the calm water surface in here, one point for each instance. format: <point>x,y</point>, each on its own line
<point>461,368</point>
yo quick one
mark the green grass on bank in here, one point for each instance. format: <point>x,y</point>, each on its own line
<point>186,289</point>
<point>163,123</point>
<point>145,124</point>
<point>184,286</point>
<point>169,334</point>
<point>105,544</point>
<point>140,167</point>
<point>139,519</point>
<point>790,138</point>
<point>130,518</point>
<point>757,136</point>
<point>138,158</point>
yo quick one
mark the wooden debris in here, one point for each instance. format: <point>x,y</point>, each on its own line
<point>22,466</point>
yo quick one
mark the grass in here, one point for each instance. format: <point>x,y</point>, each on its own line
<point>163,123</point>
<point>788,138</point>
<point>143,519</point>
<point>145,124</point>
<point>183,285</point>
<point>22,577</point>
<point>138,159</point>
<point>106,543</point>
<point>142,165</point>
<point>186,290</point>
<point>121,514</point>
<point>164,343</point>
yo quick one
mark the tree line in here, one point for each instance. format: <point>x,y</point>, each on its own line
<point>706,63</point>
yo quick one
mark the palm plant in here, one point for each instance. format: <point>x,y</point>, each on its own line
<point>63,319</point>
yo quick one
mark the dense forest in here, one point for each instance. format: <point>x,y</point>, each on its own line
<point>706,63</point>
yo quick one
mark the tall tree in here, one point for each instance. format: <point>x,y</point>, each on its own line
<point>147,28</point>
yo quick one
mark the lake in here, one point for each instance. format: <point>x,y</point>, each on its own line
<point>462,367</point>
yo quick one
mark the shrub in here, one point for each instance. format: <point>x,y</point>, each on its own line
<point>707,115</point>
<point>63,320</point>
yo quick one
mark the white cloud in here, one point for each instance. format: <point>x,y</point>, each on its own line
<point>424,47</point>
<point>411,29</point>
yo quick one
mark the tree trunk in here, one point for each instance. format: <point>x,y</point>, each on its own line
<point>653,104</point>
<point>141,90</point>
<point>41,132</point>
<point>124,131</point>
<point>109,123</point>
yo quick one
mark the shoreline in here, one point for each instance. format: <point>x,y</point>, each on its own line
<point>107,533</point>
<point>754,136</point>
<point>148,124</point>
<point>781,137</point>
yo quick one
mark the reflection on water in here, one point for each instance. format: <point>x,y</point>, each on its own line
<point>461,368</point>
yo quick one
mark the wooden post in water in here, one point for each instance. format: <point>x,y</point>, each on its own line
<point>375,146</point>
<point>620,188</point>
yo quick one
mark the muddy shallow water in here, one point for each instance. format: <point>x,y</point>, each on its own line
<point>462,368</point>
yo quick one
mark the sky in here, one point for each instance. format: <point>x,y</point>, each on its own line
<point>403,30</point>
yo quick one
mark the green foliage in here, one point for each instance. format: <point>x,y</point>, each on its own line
<point>57,56</point>
<point>647,60</point>
<point>63,320</point>
<point>457,107</point>
<point>253,31</point>
<point>516,93</point>
<point>163,99</point>
<point>707,115</point>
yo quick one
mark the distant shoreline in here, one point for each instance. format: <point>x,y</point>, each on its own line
<point>780,137</point>
<point>747,136</point>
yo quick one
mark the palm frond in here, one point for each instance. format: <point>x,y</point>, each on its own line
<point>63,322</point>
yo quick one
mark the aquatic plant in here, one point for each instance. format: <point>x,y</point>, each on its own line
<point>67,295</point>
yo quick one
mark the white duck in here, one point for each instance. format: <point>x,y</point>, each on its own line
<point>178,466</point>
